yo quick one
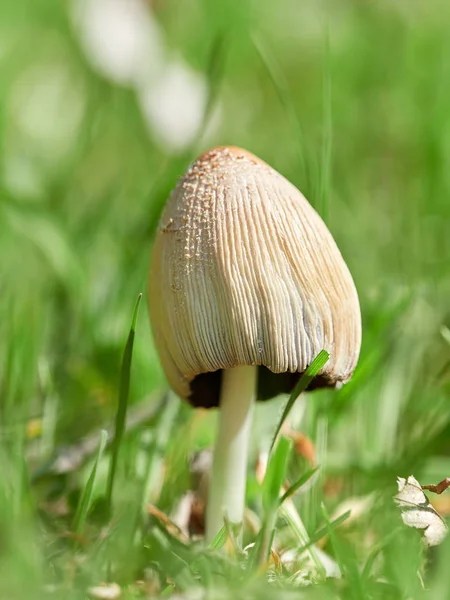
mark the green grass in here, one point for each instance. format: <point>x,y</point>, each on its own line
<point>349,100</point>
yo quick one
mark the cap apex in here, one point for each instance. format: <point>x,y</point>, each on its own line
<point>230,152</point>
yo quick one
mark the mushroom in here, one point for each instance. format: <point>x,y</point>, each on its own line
<point>246,287</point>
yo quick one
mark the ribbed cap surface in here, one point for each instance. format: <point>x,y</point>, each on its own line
<point>245,272</point>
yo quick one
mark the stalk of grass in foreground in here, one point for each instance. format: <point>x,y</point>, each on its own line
<point>20,559</point>
<point>324,183</point>
<point>276,470</point>
<point>121,414</point>
<point>283,91</point>
<point>86,497</point>
<point>317,364</point>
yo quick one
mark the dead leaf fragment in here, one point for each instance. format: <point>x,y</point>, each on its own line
<point>418,512</point>
<point>303,445</point>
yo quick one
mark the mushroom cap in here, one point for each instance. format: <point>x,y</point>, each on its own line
<point>245,272</point>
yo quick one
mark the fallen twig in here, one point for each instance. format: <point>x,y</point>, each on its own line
<point>439,487</point>
<point>71,458</point>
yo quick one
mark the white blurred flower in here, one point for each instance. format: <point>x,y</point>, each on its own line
<point>120,38</point>
<point>174,105</point>
<point>125,43</point>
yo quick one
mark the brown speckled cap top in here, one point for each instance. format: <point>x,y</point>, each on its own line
<point>245,272</point>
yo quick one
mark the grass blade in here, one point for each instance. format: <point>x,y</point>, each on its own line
<point>298,484</point>
<point>85,501</point>
<point>329,527</point>
<point>272,486</point>
<point>344,555</point>
<point>219,540</point>
<point>214,74</point>
<point>296,525</point>
<point>313,369</point>
<point>283,91</point>
<point>327,139</point>
<point>121,414</point>
<point>276,474</point>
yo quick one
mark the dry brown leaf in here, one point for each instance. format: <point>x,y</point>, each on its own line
<point>171,527</point>
<point>303,445</point>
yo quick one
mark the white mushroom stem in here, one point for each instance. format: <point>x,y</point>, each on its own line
<point>229,472</point>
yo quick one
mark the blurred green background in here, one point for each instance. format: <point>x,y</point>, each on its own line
<point>104,103</point>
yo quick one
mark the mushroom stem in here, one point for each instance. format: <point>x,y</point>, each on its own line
<point>228,478</point>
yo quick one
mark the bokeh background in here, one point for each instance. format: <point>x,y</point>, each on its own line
<point>104,103</point>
